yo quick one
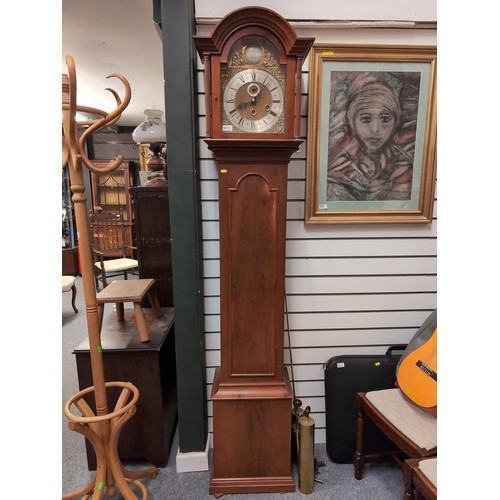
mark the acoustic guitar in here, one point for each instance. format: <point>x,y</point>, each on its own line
<point>417,374</point>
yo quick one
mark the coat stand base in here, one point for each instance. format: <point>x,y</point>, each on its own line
<point>103,432</point>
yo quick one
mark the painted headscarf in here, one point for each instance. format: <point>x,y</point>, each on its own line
<point>374,94</point>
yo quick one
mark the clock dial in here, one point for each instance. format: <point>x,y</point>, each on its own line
<point>253,101</point>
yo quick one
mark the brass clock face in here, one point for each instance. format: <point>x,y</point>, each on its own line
<point>253,89</point>
<point>253,101</point>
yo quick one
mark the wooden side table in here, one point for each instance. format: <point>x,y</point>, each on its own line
<point>130,291</point>
<point>151,368</point>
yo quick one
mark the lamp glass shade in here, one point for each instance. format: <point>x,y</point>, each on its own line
<point>152,129</point>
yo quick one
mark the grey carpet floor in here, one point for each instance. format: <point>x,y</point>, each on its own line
<point>380,481</point>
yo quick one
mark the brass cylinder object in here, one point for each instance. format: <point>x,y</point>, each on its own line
<point>306,452</point>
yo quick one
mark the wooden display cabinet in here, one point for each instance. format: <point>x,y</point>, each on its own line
<point>152,239</point>
<point>110,193</point>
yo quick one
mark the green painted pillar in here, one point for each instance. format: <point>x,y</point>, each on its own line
<point>179,58</point>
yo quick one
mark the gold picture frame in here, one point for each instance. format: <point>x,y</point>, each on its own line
<point>371,155</point>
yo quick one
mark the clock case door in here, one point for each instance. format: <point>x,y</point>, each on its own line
<point>251,282</point>
<point>252,208</point>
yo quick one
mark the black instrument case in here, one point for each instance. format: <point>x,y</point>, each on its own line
<point>344,377</point>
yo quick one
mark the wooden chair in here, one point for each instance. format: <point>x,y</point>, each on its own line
<point>113,255</point>
<point>412,430</point>
<point>68,285</point>
<point>420,477</point>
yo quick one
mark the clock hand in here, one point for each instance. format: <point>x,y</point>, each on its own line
<point>243,104</point>
<point>253,100</point>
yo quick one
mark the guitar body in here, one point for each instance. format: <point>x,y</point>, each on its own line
<point>417,374</point>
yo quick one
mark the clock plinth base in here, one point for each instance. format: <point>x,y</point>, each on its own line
<point>252,438</point>
<point>226,486</point>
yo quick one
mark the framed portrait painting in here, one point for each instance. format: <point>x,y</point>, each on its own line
<point>371,154</point>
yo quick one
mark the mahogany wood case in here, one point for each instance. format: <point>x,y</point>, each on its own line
<point>252,393</point>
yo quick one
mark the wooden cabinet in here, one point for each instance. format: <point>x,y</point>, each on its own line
<point>110,193</point>
<point>70,264</point>
<point>150,366</point>
<point>152,239</point>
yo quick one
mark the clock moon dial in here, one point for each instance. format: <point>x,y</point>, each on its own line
<point>253,54</point>
<point>253,100</point>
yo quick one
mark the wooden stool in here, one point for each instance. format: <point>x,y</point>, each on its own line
<point>130,291</point>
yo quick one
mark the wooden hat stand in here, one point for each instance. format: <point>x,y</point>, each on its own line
<point>100,427</point>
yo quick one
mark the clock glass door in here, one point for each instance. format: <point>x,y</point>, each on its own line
<point>253,88</point>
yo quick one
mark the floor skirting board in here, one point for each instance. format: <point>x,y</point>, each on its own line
<point>192,461</point>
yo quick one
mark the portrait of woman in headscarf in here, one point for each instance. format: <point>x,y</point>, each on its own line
<point>371,138</point>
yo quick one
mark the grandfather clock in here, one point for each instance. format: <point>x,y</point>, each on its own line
<point>253,63</point>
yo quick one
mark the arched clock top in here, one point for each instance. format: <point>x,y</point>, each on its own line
<point>251,17</point>
<point>253,61</point>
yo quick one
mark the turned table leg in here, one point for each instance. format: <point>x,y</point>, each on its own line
<point>120,314</point>
<point>140,319</point>
<point>155,304</point>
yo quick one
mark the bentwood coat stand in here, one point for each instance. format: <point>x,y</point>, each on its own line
<point>99,425</point>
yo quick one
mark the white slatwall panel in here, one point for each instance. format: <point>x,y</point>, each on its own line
<point>347,285</point>
<point>344,266</point>
<point>351,289</point>
<point>323,9</point>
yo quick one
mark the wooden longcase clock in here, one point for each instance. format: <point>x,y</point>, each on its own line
<point>253,63</point>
